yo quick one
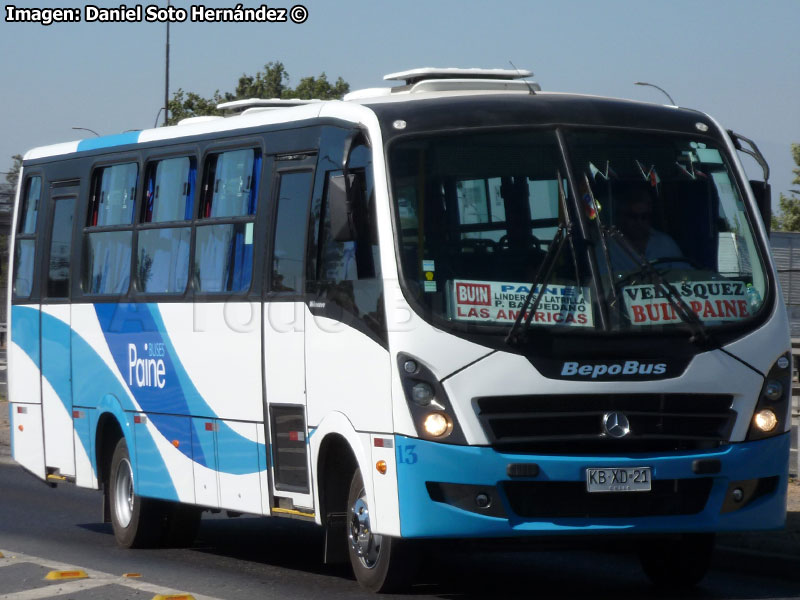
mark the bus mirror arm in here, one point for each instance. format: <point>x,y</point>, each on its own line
<point>762,191</point>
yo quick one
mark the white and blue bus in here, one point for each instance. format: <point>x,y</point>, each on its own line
<point>458,307</point>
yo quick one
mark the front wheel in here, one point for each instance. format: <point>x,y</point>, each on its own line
<point>137,521</point>
<point>678,563</point>
<point>380,563</point>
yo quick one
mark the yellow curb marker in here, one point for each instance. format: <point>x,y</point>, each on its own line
<point>174,597</point>
<point>131,574</point>
<point>58,575</point>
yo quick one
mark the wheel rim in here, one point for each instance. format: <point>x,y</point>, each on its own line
<point>364,544</point>
<point>123,493</point>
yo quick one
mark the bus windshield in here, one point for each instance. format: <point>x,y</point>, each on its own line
<point>478,211</point>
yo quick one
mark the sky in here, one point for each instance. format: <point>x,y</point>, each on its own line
<point>737,60</point>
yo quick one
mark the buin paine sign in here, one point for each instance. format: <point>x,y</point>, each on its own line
<point>501,302</point>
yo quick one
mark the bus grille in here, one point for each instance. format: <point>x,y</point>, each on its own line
<point>531,499</point>
<point>573,424</point>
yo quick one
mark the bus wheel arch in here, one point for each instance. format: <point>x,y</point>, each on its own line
<point>108,433</point>
<point>336,463</point>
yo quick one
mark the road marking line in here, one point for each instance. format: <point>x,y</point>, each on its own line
<point>97,578</point>
<point>61,589</point>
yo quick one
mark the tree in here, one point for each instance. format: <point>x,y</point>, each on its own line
<point>12,176</point>
<point>788,217</point>
<point>272,82</point>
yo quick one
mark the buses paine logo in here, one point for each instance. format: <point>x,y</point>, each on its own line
<point>149,371</point>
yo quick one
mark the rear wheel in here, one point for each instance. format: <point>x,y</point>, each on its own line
<point>380,563</point>
<point>137,521</point>
<point>677,563</point>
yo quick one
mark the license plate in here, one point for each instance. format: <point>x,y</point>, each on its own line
<point>636,479</point>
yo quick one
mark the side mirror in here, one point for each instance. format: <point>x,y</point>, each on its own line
<point>344,195</point>
<point>763,195</point>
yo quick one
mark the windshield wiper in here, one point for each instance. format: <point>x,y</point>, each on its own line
<point>517,332</point>
<point>564,232</point>
<point>699,331</point>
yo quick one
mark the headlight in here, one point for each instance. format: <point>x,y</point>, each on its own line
<point>437,424</point>
<point>422,393</point>
<point>773,390</point>
<point>771,414</point>
<point>433,416</point>
<point>765,420</point>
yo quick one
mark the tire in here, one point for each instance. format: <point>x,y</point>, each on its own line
<point>678,563</point>
<point>380,563</point>
<point>138,522</point>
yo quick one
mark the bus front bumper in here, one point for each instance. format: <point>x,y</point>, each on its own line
<point>448,491</point>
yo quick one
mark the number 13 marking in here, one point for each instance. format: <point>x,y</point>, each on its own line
<point>407,454</point>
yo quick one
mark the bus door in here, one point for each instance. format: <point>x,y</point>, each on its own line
<point>284,344</point>
<point>55,332</point>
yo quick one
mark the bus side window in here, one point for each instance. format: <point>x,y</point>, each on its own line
<point>230,186</point>
<point>107,254</point>
<point>163,251</point>
<point>290,228</point>
<point>26,238</point>
<point>223,256</point>
<point>349,272</point>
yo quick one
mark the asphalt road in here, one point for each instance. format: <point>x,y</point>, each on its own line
<point>247,558</point>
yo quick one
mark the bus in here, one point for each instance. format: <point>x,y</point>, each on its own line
<point>456,307</point>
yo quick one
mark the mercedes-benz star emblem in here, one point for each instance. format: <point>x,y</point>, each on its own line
<point>616,425</point>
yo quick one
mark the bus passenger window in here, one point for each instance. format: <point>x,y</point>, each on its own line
<point>113,195</point>
<point>107,254</point>
<point>108,262</point>
<point>26,240</point>
<point>223,257</point>
<point>163,260</point>
<point>169,190</point>
<point>290,232</point>
<point>230,184</point>
<point>30,206</point>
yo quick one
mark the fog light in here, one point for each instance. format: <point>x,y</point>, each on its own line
<point>737,494</point>
<point>783,362</point>
<point>766,420</point>
<point>422,394</point>
<point>483,501</point>
<point>437,424</point>
<point>773,390</point>
<point>410,367</point>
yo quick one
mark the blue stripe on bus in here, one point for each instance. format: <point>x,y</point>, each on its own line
<point>93,379</point>
<point>141,325</point>
<point>107,141</point>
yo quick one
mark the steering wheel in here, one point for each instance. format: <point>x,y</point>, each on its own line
<point>671,260</point>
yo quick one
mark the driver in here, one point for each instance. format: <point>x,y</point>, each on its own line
<point>635,222</point>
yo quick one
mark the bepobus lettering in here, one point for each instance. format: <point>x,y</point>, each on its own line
<point>598,370</point>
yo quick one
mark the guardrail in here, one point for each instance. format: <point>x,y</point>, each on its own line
<point>794,460</point>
